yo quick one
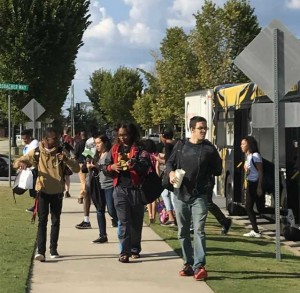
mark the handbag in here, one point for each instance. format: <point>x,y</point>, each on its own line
<point>26,179</point>
<point>151,188</point>
<point>67,171</point>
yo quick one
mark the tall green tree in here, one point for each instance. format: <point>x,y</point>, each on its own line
<point>39,43</point>
<point>220,34</point>
<point>113,94</point>
<point>177,74</point>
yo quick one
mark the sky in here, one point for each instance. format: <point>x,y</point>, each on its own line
<point>125,32</point>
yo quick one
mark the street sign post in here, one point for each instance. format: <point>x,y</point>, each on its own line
<point>272,61</point>
<point>14,87</point>
<point>11,87</point>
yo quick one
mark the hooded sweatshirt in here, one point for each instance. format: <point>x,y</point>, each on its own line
<point>50,170</point>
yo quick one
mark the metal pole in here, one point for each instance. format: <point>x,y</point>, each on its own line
<point>9,141</point>
<point>72,112</point>
<point>276,140</point>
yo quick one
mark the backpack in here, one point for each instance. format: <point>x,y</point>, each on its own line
<point>268,182</point>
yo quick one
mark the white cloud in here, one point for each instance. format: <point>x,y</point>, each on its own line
<point>293,4</point>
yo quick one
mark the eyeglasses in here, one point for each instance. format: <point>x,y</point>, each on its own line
<point>202,128</point>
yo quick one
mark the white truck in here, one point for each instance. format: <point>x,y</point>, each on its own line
<point>199,103</point>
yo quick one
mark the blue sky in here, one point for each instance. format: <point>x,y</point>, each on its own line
<point>124,32</point>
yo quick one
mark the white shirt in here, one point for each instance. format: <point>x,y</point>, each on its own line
<point>252,173</point>
<point>31,146</point>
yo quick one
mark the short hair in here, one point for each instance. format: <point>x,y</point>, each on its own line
<point>194,120</point>
<point>49,131</point>
<point>27,132</point>
<point>167,133</point>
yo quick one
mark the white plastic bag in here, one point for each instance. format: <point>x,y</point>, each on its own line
<point>26,179</point>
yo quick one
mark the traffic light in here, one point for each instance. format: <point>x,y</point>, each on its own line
<point>77,107</point>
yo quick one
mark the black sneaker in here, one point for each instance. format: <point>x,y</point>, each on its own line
<point>114,223</point>
<point>54,254</point>
<point>67,194</point>
<point>40,257</point>
<point>226,226</point>
<point>100,240</point>
<point>84,225</point>
<point>30,210</point>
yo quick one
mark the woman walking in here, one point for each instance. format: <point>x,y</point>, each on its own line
<point>103,146</point>
<point>127,164</point>
<point>253,182</point>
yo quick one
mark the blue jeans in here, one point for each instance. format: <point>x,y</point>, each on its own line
<point>110,204</point>
<point>196,210</point>
<point>168,198</point>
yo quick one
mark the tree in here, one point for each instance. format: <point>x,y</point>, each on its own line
<point>176,75</point>
<point>39,43</point>
<point>219,36</point>
<point>114,94</point>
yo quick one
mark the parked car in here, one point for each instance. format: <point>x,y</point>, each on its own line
<point>4,165</point>
<point>154,137</point>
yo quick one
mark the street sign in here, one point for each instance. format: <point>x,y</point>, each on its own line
<point>33,110</point>
<point>257,60</point>
<point>33,125</point>
<point>14,86</point>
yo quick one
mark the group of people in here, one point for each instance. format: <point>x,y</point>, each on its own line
<point>120,167</point>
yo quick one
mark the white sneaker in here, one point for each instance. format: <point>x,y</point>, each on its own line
<point>252,234</point>
<point>54,255</point>
<point>39,257</point>
<point>290,217</point>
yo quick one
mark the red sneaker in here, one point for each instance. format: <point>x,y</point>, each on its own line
<point>200,274</point>
<point>187,271</point>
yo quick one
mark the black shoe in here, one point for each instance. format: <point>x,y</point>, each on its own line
<point>30,210</point>
<point>101,239</point>
<point>226,226</point>
<point>114,223</point>
<point>54,254</point>
<point>67,194</point>
<point>84,225</point>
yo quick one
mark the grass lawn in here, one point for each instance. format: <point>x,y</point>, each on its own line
<point>16,242</point>
<point>236,264</point>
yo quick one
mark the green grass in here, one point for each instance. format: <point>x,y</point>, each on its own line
<point>16,242</point>
<point>236,264</point>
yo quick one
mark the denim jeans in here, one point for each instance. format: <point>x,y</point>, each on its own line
<point>110,204</point>
<point>46,202</point>
<point>196,210</point>
<point>101,215</point>
<point>130,214</point>
<point>168,197</point>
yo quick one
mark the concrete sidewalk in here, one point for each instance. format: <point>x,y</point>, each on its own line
<point>87,267</point>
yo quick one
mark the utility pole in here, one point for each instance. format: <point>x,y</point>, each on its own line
<point>72,111</point>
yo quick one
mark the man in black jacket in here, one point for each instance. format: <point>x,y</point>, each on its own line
<point>200,160</point>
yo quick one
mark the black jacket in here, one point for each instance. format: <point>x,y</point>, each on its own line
<point>200,162</point>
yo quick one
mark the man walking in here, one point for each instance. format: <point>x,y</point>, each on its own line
<point>200,160</point>
<point>79,149</point>
<point>50,164</point>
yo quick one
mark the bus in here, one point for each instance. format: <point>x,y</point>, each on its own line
<point>244,109</point>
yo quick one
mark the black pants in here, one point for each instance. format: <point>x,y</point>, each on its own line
<point>214,209</point>
<point>54,203</point>
<point>251,198</point>
<point>130,213</point>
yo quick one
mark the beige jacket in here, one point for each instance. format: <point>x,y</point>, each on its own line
<point>50,170</point>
